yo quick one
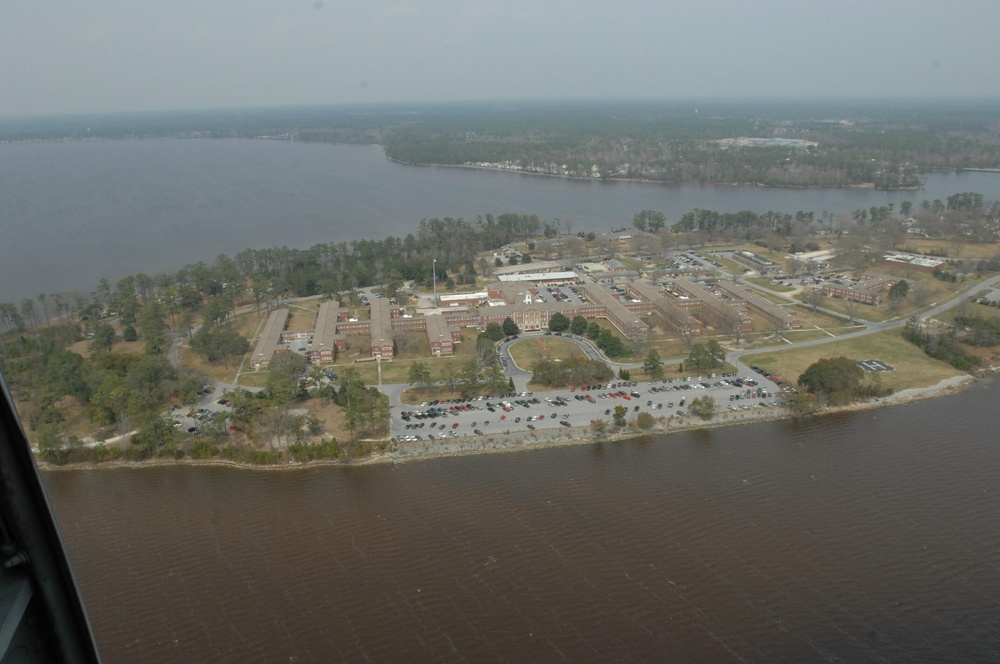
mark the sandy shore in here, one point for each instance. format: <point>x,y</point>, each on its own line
<point>521,441</point>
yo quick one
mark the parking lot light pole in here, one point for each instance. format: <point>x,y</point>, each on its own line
<point>378,362</point>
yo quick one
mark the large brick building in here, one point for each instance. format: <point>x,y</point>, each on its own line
<point>756,262</point>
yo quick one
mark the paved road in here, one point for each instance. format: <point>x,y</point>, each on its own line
<point>870,327</point>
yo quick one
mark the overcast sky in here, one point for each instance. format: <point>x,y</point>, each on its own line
<point>68,56</point>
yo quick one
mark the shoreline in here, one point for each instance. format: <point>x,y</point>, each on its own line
<point>579,178</point>
<point>523,442</point>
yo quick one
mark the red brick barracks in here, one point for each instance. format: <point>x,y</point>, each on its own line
<point>683,306</point>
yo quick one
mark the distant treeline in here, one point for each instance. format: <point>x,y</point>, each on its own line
<point>885,146</point>
<point>881,144</point>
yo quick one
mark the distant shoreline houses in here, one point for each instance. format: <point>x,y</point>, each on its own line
<point>683,305</point>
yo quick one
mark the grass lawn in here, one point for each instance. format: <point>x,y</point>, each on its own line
<point>953,250</point>
<point>194,362</point>
<point>669,347</point>
<point>331,418</point>
<point>913,368</point>
<point>730,267</point>
<point>253,378</point>
<point>766,283</point>
<point>398,371</point>
<point>805,334</point>
<point>303,316</point>
<point>416,396</point>
<point>773,298</point>
<point>247,325</point>
<point>528,352</point>
<point>935,290</point>
<point>820,319</point>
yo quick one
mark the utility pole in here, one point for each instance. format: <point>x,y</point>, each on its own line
<point>434,275</point>
<point>378,361</point>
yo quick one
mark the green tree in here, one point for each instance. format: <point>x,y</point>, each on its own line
<point>593,330</point>
<point>244,408</point>
<point>420,374</point>
<point>470,377</point>
<point>652,364</point>
<point>599,429</point>
<point>217,344</point>
<point>624,374</point>
<point>703,407</point>
<point>283,386</point>
<point>649,220</point>
<point>836,378</point>
<point>706,356</point>
<point>152,326</point>
<point>898,293</point>
<point>494,331</point>
<point>510,328</point>
<point>103,339</point>
<point>578,326</point>
<point>619,415</point>
<point>800,403</point>
<point>129,334</point>
<point>645,421</point>
<point>558,322</point>
<point>50,444</point>
<point>610,344</point>
<point>494,376</point>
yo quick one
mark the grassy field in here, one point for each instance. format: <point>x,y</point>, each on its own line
<point>669,346</point>
<point>303,316</point>
<point>730,267</point>
<point>912,367</point>
<point>528,352</point>
<point>416,396</point>
<point>951,249</point>
<point>766,283</point>
<point>774,298</point>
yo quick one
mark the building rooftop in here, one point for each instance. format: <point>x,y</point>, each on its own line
<point>529,268</point>
<point>538,276</point>
<point>912,259</point>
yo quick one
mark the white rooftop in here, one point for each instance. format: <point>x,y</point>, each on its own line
<point>538,276</point>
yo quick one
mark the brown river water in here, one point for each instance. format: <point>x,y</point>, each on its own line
<point>864,537</point>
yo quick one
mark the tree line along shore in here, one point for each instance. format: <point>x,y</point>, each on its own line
<point>852,143</point>
<point>93,368</point>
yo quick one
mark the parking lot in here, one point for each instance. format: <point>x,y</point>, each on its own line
<point>560,294</point>
<point>193,417</point>
<point>574,407</point>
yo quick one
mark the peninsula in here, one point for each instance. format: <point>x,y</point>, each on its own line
<point>509,333</point>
